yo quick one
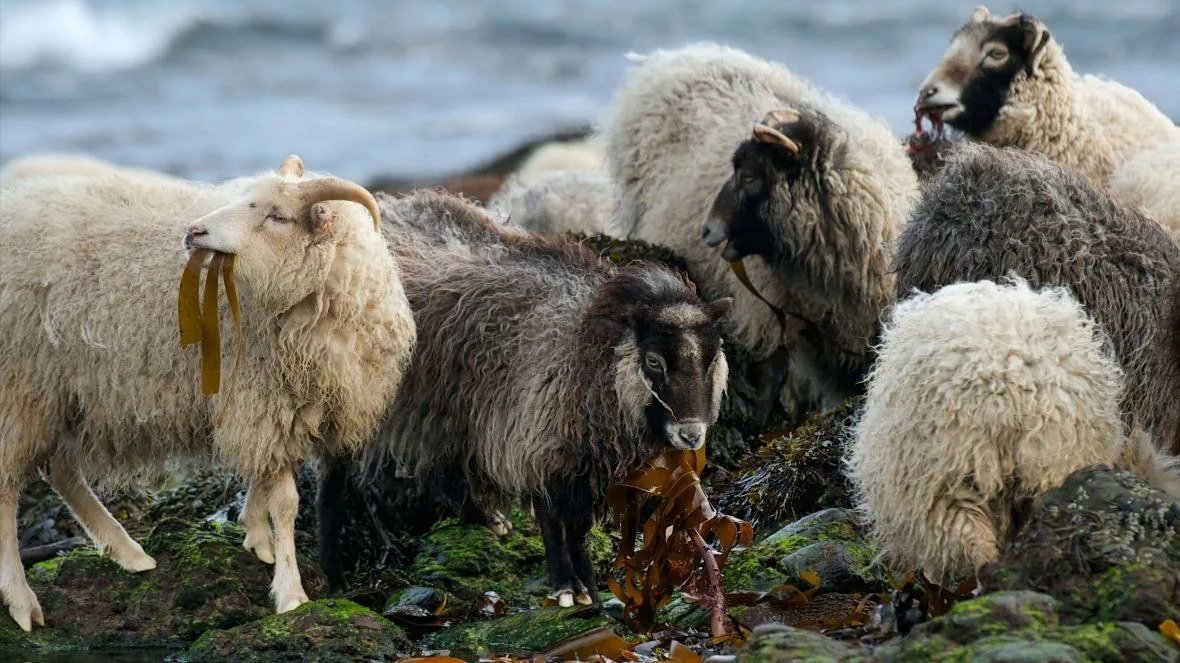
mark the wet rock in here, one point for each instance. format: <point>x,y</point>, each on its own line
<point>1024,626</point>
<point>794,473</point>
<point>204,580</point>
<point>323,631</point>
<point>528,632</point>
<point>45,519</point>
<point>1105,544</point>
<point>827,543</point>
<point>773,643</point>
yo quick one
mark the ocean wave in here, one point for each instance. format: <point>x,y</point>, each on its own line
<point>75,34</point>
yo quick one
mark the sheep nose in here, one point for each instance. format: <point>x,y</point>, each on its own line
<point>193,233</point>
<point>687,435</point>
<point>927,92</point>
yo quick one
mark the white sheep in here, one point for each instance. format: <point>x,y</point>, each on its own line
<point>984,396</point>
<point>559,201</point>
<point>1006,81</point>
<point>581,156</point>
<point>710,139</point>
<point>52,164</point>
<point>95,383</point>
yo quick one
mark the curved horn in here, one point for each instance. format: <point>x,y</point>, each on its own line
<point>334,188</point>
<point>292,165</point>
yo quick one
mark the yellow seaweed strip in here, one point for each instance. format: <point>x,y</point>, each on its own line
<point>188,303</point>
<point>211,331</point>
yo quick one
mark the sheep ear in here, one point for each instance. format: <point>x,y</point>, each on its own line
<point>718,307</point>
<point>1036,38</point>
<point>321,218</point>
<point>292,165</point>
<point>980,15</point>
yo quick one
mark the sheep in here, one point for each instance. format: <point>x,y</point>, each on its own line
<point>95,383</point>
<point>818,192</point>
<point>559,201</point>
<point>542,373</point>
<point>559,156</point>
<point>994,212</point>
<point>983,397</point>
<point>1006,81</point>
<point>54,164</point>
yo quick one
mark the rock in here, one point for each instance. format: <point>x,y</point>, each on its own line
<point>827,542</point>
<point>795,473</point>
<point>323,631</point>
<point>1105,544</point>
<point>205,580</point>
<point>528,632</point>
<point>468,560</point>
<point>1023,626</point>
<point>772,643</point>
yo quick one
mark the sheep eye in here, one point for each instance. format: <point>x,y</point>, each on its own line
<point>275,218</point>
<point>654,362</point>
<point>997,54</point>
<point>749,181</point>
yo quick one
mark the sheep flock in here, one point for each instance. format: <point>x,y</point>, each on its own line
<point>1009,316</point>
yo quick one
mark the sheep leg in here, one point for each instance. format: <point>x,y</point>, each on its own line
<point>577,532</point>
<point>108,535</point>
<point>330,513</point>
<point>283,506</point>
<point>496,522</point>
<point>14,589</point>
<point>259,539</point>
<point>557,561</point>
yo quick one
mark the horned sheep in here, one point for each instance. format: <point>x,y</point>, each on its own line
<point>983,397</point>
<point>710,140</point>
<point>542,373</point>
<point>1006,81</point>
<point>96,384</point>
<point>991,213</point>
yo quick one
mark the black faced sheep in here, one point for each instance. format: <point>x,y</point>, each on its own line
<point>709,140</point>
<point>992,213</point>
<point>1006,81</point>
<point>541,373</point>
<point>983,397</point>
<point>95,383</point>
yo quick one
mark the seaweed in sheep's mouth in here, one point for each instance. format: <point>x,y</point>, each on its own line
<point>199,321</point>
<point>923,140</point>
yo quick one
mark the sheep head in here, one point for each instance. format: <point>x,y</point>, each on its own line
<point>283,229</point>
<point>771,170</point>
<point>986,57</point>
<point>670,371</point>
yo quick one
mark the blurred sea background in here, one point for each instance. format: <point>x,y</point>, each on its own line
<point>211,89</point>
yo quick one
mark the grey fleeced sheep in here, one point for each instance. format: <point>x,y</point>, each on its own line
<point>814,190</point>
<point>95,384</point>
<point>1006,81</point>
<point>983,397</point>
<point>542,372</point>
<point>992,213</point>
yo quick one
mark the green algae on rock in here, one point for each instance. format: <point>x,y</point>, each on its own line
<point>528,632</point>
<point>775,643</point>
<point>205,580</point>
<point>324,631</point>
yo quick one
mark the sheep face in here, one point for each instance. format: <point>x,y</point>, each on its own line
<point>772,172</point>
<point>283,232</point>
<point>987,56</point>
<point>670,371</point>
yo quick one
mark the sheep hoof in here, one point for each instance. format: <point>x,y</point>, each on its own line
<point>261,546</point>
<point>296,600</point>
<point>500,525</point>
<point>564,597</point>
<point>138,564</point>
<point>27,612</point>
<point>583,598</point>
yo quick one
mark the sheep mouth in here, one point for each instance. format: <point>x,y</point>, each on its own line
<point>923,140</point>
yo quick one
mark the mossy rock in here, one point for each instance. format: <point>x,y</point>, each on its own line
<point>324,631</point>
<point>795,473</point>
<point>827,543</point>
<point>204,580</point>
<point>1024,626</point>
<point>775,643</point>
<point>528,632</point>
<point>1105,544</point>
<point>468,560</point>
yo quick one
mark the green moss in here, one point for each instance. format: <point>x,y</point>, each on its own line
<point>531,631</point>
<point>780,557</point>
<point>322,631</point>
